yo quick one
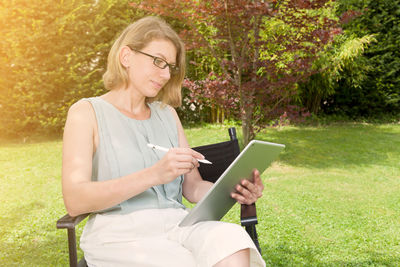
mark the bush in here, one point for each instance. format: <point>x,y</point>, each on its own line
<point>379,93</point>
<point>53,53</point>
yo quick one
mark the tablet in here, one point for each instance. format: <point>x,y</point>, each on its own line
<point>218,201</point>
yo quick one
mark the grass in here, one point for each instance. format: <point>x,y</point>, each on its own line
<point>331,199</point>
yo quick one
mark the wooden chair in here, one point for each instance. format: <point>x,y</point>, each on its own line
<point>221,155</point>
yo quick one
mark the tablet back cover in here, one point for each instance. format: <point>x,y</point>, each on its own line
<point>217,201</point>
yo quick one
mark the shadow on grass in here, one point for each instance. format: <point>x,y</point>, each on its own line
<point>51,250</point>
<point>284,256</point>
<point>336,146</point>
<point>21,212</point>
<point>27,241</point>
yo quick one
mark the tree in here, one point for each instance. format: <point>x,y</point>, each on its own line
<point>53,53</point>
<point>379,91</point>
<point>260,63</point>
<point>341,60</point>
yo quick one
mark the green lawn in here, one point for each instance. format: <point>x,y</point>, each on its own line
<point>332,198</point>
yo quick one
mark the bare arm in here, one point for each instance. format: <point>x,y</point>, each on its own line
<point>81,195</point>
<point>194,187</point>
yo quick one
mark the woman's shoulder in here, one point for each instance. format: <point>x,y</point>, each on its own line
<point>81,105</point>
<point>164,108</point>
<point>161,106</point>
<point>81,110</point>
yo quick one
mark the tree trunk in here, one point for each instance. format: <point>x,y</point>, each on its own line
<point>212,115</point>
<point>247,129</point>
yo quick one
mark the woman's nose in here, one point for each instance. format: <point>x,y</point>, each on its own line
<point>165,73</point>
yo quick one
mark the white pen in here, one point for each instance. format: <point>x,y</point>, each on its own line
<point>166,150</point>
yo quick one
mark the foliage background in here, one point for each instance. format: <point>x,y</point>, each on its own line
<point>53,53</point>
<point>378,92</point>
<point>330,198</point>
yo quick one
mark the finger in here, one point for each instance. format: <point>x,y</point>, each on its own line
<point>186,165</point>
<point>240,199</point>
<point>249,185</point>
<point>256,175</point>
<point>257,179</point>
<point>188,151</point>
<point>189,159</point>
<point>244,192</point>
<point>180,151</point>
<point>195,162</point>
<point>193,166</point>
<point>184,158</point>
<point>255,189</point>
<point>256,172</point>
<point>197,155</point>
<point>192,152</point>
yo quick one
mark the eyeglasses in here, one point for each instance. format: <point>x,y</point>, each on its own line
<point>159,62</point>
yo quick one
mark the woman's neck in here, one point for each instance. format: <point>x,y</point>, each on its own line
<point>129,103</point>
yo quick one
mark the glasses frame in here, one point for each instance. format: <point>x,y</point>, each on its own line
<point>173,69</point>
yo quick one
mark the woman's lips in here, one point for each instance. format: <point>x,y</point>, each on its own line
<point>157,84</point>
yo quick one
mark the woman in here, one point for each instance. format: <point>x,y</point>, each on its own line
<point>134,192</point>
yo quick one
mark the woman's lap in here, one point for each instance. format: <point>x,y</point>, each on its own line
<point>152,238</point>
<point>152,252</point>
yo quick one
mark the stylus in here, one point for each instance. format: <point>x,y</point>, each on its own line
<point>166,150</point>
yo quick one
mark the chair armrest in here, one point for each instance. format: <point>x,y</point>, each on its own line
<point>70,222</point>
<point>248,214</point>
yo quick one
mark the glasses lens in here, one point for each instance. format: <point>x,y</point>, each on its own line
<point>159,62</point>
<point>173,69</point>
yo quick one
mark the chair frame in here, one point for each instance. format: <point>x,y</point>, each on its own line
<point>248,213</point>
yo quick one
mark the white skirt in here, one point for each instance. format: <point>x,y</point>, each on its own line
<point>152,237</point>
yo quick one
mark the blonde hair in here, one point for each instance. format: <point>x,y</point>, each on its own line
<point>138,35</point>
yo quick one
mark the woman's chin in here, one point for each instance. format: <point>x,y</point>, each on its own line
<point>153,93</point>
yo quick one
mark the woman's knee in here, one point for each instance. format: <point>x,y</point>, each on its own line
<point>227,231</point>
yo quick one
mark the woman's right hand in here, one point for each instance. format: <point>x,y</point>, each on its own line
<point>176,162</point>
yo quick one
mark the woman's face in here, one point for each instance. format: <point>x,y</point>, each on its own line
<point>144,76</point>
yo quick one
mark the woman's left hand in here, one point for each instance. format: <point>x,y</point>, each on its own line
<point>247,192</point>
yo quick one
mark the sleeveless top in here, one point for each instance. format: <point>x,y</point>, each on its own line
<point>123,149</point>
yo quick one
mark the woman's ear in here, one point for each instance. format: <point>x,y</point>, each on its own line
<point>124,56</point>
